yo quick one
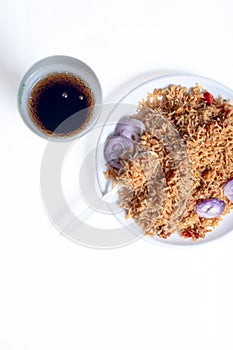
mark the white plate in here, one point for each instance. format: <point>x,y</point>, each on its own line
<point>126,106</point>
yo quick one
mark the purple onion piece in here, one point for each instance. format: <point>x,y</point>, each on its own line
<point>114,147</point>
<point>210,208</point>
<point>228,190</point>
<point>130,128</point>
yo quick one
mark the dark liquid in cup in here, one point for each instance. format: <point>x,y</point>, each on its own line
<point>61,103</point>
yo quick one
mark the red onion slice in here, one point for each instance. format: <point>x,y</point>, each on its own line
<point>228,190</point>
<point>130,128</point>
<point>210,208</point>
<point>114,147</point>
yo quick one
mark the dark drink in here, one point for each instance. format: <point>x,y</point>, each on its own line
<point>61,104</point>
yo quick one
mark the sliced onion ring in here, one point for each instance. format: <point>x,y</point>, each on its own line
<point>130,128</point>
<point>210,208</point>
<point>114,147</point>
<point>228,190</point>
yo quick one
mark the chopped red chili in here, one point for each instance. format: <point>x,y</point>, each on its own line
<point>209,98</point>
<point>227,112</point>
<point>192,233</point>
<point>187,234</point>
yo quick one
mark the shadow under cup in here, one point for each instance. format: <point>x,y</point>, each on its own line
<point>60,98</point>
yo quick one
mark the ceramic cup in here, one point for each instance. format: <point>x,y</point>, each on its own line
<point>51,68</point>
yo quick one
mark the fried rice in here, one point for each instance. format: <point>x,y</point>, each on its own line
<point>184,156</point>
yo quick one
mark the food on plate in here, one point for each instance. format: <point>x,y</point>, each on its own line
<point>173,162</point>
<point>210,208</point>
<point>115,146</point>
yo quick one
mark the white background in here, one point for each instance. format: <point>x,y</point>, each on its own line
<point>55,294</point>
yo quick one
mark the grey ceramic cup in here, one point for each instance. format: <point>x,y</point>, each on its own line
<point>51,65</point>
